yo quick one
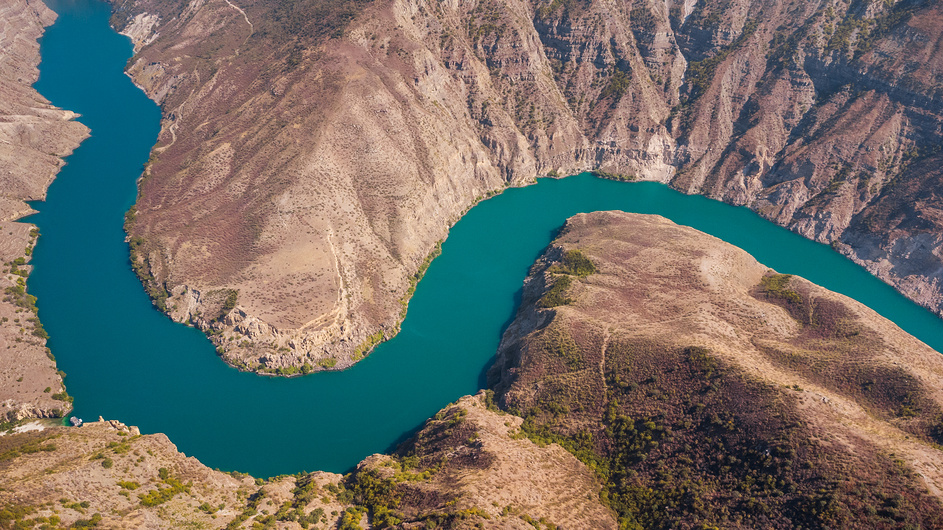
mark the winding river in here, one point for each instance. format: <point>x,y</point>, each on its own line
<point>127,361</point>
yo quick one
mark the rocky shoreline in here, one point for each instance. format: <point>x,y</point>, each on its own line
<point>653,376</point>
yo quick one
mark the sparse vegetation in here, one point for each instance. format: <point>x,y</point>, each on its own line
<point>367,345</point>
<point>327,362</point>
<point>573,264</point>
<point>414,279</point>
<point>556,295</point>
<point>621,177</point>
<point>700,74</point>
<point>142,268</point>
<point>777,286</point>
<point>172,487</point>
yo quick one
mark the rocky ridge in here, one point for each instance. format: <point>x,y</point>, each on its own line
<point>313,154</point>
<point>34,137</point>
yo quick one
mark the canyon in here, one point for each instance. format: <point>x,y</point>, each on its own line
<point>313,154</point>
<point>34,138</point>
<point>653,376</point>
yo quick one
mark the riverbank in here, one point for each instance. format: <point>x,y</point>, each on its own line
<point>310,163</point>
<point>709,391</point>
<point>658,385</point>
<point>35,136</point>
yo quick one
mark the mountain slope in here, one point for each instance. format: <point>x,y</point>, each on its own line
<point>313,153</point>
<point>706,389</point>
<point>654,377</point>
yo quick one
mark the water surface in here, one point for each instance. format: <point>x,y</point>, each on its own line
<point>127,361</point>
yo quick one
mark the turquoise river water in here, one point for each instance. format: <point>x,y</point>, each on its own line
<point>127,361</point>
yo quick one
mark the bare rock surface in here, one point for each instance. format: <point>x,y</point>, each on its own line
<point>312,154</point>
<point>34,136</point>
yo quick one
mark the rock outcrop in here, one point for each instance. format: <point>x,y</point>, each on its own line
<point>34,136</point>
<point>313,153</point>
<point>104,474</point>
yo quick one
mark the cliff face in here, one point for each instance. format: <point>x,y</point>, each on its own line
<point>706,389</point>
<point>34,136</point>
<point>313,153</point>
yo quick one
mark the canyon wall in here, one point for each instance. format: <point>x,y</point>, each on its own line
<point>314,153</point>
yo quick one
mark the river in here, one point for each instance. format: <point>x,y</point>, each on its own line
<point>127,361</point>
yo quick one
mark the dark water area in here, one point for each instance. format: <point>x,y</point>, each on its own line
<point>127,361</point>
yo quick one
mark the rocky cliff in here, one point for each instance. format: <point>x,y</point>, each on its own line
<point>314,152</point>
<point>708,391</point>
<point>34,136</point>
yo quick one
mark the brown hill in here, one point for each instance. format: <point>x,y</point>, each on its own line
<point>654,377</point>
<point>34,136</point>
<point>706,389</point>
<point>464,470</point>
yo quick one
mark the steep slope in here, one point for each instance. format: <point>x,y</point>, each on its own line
<point>706,389</point>
<point>313,153</point>
<point>106,474</point>
<point>34,136</point>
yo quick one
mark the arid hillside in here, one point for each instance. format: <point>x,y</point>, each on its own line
<point>314,152</point>
<point>463,470</point>
<point>709,391</point>
<point>34,136</point>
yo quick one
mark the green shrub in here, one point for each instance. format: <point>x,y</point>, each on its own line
<point>164,494</point>
<point>576,263</point>
<point>368,345</point>
<point>328,362</point>
<point>62,396</point>
<point>556,296</point>
<point>777,286</point>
